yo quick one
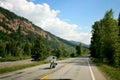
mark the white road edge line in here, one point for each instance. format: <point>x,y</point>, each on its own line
<point>93,77</point>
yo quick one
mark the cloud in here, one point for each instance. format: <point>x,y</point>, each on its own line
<point>46,18</point>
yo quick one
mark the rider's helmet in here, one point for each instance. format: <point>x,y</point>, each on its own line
<point>53,57</point>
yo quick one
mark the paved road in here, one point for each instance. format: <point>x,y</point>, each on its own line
<point>70,69</point>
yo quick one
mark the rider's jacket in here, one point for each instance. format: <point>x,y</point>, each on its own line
<point>53,60</point>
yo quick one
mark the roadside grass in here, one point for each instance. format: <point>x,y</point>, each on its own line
<point>13,58</point>
<point>113,73</point>
<point>110,72</point>
<point>18,67</point>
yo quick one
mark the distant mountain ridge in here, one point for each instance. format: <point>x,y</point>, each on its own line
<point>25,26</point>
<point>77,43</point>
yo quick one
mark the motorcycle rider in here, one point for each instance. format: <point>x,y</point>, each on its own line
<point>53,60</point>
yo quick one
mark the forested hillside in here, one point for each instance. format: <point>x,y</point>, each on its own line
<point>20,38</point>
<point>105,41</point>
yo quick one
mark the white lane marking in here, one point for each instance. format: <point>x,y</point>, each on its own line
<point>93,77</point>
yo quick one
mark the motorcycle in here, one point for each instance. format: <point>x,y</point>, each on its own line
<point>53,65</point>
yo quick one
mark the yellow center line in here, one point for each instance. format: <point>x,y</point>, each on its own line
<point>44,77</point>
<point>47,75</point>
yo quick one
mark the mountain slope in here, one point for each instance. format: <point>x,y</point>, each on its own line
<point>18,33</point>
<point>77,43</point>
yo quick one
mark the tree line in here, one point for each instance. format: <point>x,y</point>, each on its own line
<point>16,46</point>
<point>38,50</point>
<point>105,41</point>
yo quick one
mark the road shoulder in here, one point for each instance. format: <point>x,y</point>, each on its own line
<point>97,72</point>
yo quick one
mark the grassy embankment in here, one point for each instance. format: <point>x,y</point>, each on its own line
<point>111,73</point>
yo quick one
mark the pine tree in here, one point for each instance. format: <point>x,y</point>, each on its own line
<point>96,46</point>
<point>119,24</point>
<point>119,40</point>
<point>2,49</point>
<point>79,49</point>
<point>110,37</point>
<point>39,50</point>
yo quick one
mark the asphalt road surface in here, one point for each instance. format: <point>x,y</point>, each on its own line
<point>69,69</point>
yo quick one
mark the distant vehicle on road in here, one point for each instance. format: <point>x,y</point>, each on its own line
<point>53,62</point>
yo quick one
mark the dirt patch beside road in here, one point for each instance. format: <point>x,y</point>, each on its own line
<point>14,63</point>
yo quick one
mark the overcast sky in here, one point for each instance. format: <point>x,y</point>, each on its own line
<point>68,19</point>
